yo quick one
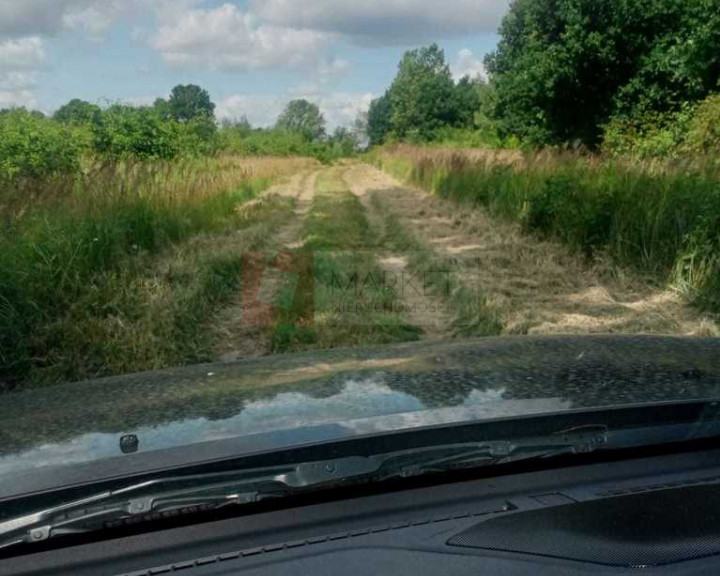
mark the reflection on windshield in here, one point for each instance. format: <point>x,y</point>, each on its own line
<point>371,391</point>
<point>359,404</point>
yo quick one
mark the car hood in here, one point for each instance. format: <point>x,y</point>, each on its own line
<point>340,393</point>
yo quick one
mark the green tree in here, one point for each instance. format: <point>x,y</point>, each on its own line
<point>302,117</point>
<point>77,112</point>
<point>468,93</point>
<point>422,94</point>
<point>379,119</point>
<point>136,132</point>
<point>34,146</point>
<point>187,102</point>
<point>162,107</point>
<point>343,142</point>
<point>563,68</point>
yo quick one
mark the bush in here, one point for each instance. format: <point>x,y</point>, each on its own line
<point>466,138</point>
<point>197,137</point>
<point>693,131</point>
<point>32,146</point>
<point>126,131</point>
<point>653,135</point>
<point>704,131</point>
<point>279,143</point>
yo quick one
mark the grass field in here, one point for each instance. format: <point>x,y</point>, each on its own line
<point>660,218</point>
<point>116,271</point>
<point>137,266</point>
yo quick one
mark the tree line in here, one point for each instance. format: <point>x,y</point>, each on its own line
<point>619,74</point>
<point>184,124</point>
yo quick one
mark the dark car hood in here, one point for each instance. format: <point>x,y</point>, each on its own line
<point>339,393</point>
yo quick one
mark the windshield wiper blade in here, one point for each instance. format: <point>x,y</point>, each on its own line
<point>470,455</point>
<point>215,490</point>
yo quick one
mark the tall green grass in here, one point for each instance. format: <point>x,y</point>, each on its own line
<point>80,255</point>
<point>662,220</point>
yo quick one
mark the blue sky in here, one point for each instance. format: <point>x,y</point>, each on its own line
<point>253,56</point>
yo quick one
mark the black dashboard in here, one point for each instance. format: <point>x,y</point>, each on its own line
<point>658,515</point>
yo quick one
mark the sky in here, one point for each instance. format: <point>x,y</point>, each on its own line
<point>253,56</point>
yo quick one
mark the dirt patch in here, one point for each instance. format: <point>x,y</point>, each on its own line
<point>235,339</point>
<point>540,287</point>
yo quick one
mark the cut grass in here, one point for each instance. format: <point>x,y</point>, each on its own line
<point>338,232</point>
<point>475,317</point>
<point>661,220</point>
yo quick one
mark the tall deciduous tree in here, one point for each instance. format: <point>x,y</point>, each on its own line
<point>186,102</point>
<point>563,68</point>
<point>378,119</point>
<point>77,112</point>
<point>422,95</point>
<point>302,117</point>
<point>468,93</point>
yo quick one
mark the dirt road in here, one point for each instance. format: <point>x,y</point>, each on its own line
<point>236,339</point>
<point>529,286</point>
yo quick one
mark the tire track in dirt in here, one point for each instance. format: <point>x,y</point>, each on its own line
<point>435,324</point>
<point>539,287</point>
<point>235,339</point>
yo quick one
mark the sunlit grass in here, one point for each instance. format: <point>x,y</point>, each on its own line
<point>80,291</point>
<point>659,217</point>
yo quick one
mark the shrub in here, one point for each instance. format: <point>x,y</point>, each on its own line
<point>33,146</point>
<point>653,135</point>
<point>704,131</point>
<point>126,131</point>
<point>197,137</point>
<point>695,130</point>
<point>279,143</point>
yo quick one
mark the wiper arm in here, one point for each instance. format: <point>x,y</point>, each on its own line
<point>212,491</point>
<point>470,455</point>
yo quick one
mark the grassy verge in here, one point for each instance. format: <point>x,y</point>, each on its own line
<point>337,231</point>
<point>662,221</point>
<point>104,276</point>
<point>475,317</point>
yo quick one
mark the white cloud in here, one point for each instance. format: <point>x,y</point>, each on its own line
<point>94,21</point>
<point>386,21</point>
<point>339,108</point>
<point>28,17</point>
<point>261,111</point>
<point>93,18</point>
<point>15,98</point>
<point>333,69</point>
<point>226,38</point>
<point>468,65</point>
<point>15,80</point>
<point>19,61</point>
<point>21,54</point>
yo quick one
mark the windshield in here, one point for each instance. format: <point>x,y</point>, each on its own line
<point>278,223</point>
